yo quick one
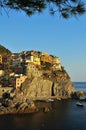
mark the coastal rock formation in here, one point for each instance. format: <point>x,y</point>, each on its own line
<point>80,95</point>
<point>42,87</point>
<point>33,76</point>
<point>16,104</point>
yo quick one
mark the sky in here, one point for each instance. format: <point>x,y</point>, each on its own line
<point>53,34</point>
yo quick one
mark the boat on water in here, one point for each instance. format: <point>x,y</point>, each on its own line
<point>79,104</point>
<point>50,100</point>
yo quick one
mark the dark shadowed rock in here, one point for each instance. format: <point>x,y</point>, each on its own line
<point>18,104</point>
<point>80,95</point>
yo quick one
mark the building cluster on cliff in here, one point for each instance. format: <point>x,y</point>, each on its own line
<point>13,68</point>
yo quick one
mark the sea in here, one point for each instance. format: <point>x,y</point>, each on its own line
<point>63,115</point>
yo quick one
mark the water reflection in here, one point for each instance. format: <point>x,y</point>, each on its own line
<point>63,115</point>
<point>41,120</point>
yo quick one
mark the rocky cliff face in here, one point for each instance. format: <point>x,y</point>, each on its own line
<point>49,85</point>
<point>42,89</point>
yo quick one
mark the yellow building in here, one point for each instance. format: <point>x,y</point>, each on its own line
<point>36,60</point>
<point>1,59</point>
<point>20,80</point>
<point>56,60</point>
<point>1,73</point>
<point>33,59</point>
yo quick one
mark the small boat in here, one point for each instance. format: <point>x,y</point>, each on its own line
<point>50,100</point>
<point>79,104</point>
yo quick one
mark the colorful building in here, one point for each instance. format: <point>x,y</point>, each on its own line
<point>20,80</point>
<point>0,59</point>
<point>33,57</point>
<point>56,60</point>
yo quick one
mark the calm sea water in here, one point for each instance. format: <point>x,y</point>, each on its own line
<point>80,86</point>
<point>64,115</point>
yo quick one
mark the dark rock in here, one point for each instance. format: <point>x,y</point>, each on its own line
<point>6,95</point>
<point>79,95</point>
<point>46,109</point>
<point>18,104</point>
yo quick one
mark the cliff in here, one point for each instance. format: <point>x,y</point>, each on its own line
<point>43,89</point>
<point>45,84</point>
<point>46,79</point>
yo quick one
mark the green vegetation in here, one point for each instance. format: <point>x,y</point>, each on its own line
<point>47,66</point>
<point>66,8</point>
<point>4,51</point>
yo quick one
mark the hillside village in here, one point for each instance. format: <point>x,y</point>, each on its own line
<point>14,68</point>
<point>31,76</point>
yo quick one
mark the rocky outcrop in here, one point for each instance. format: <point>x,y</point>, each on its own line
<point>47,84</point>
<point>46,81</point>
<point>22,99</point>
<point>16,104</point>
<point>42,89</point>
<point>80,95</point>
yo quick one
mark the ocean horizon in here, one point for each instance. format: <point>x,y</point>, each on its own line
<point>80,86</point>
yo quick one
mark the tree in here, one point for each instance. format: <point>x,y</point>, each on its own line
<point>65,8</point>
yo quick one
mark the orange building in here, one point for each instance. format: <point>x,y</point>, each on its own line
<point>50,59</point>
<point>46,58</point>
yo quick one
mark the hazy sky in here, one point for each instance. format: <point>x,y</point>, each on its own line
<point>63,38</point>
